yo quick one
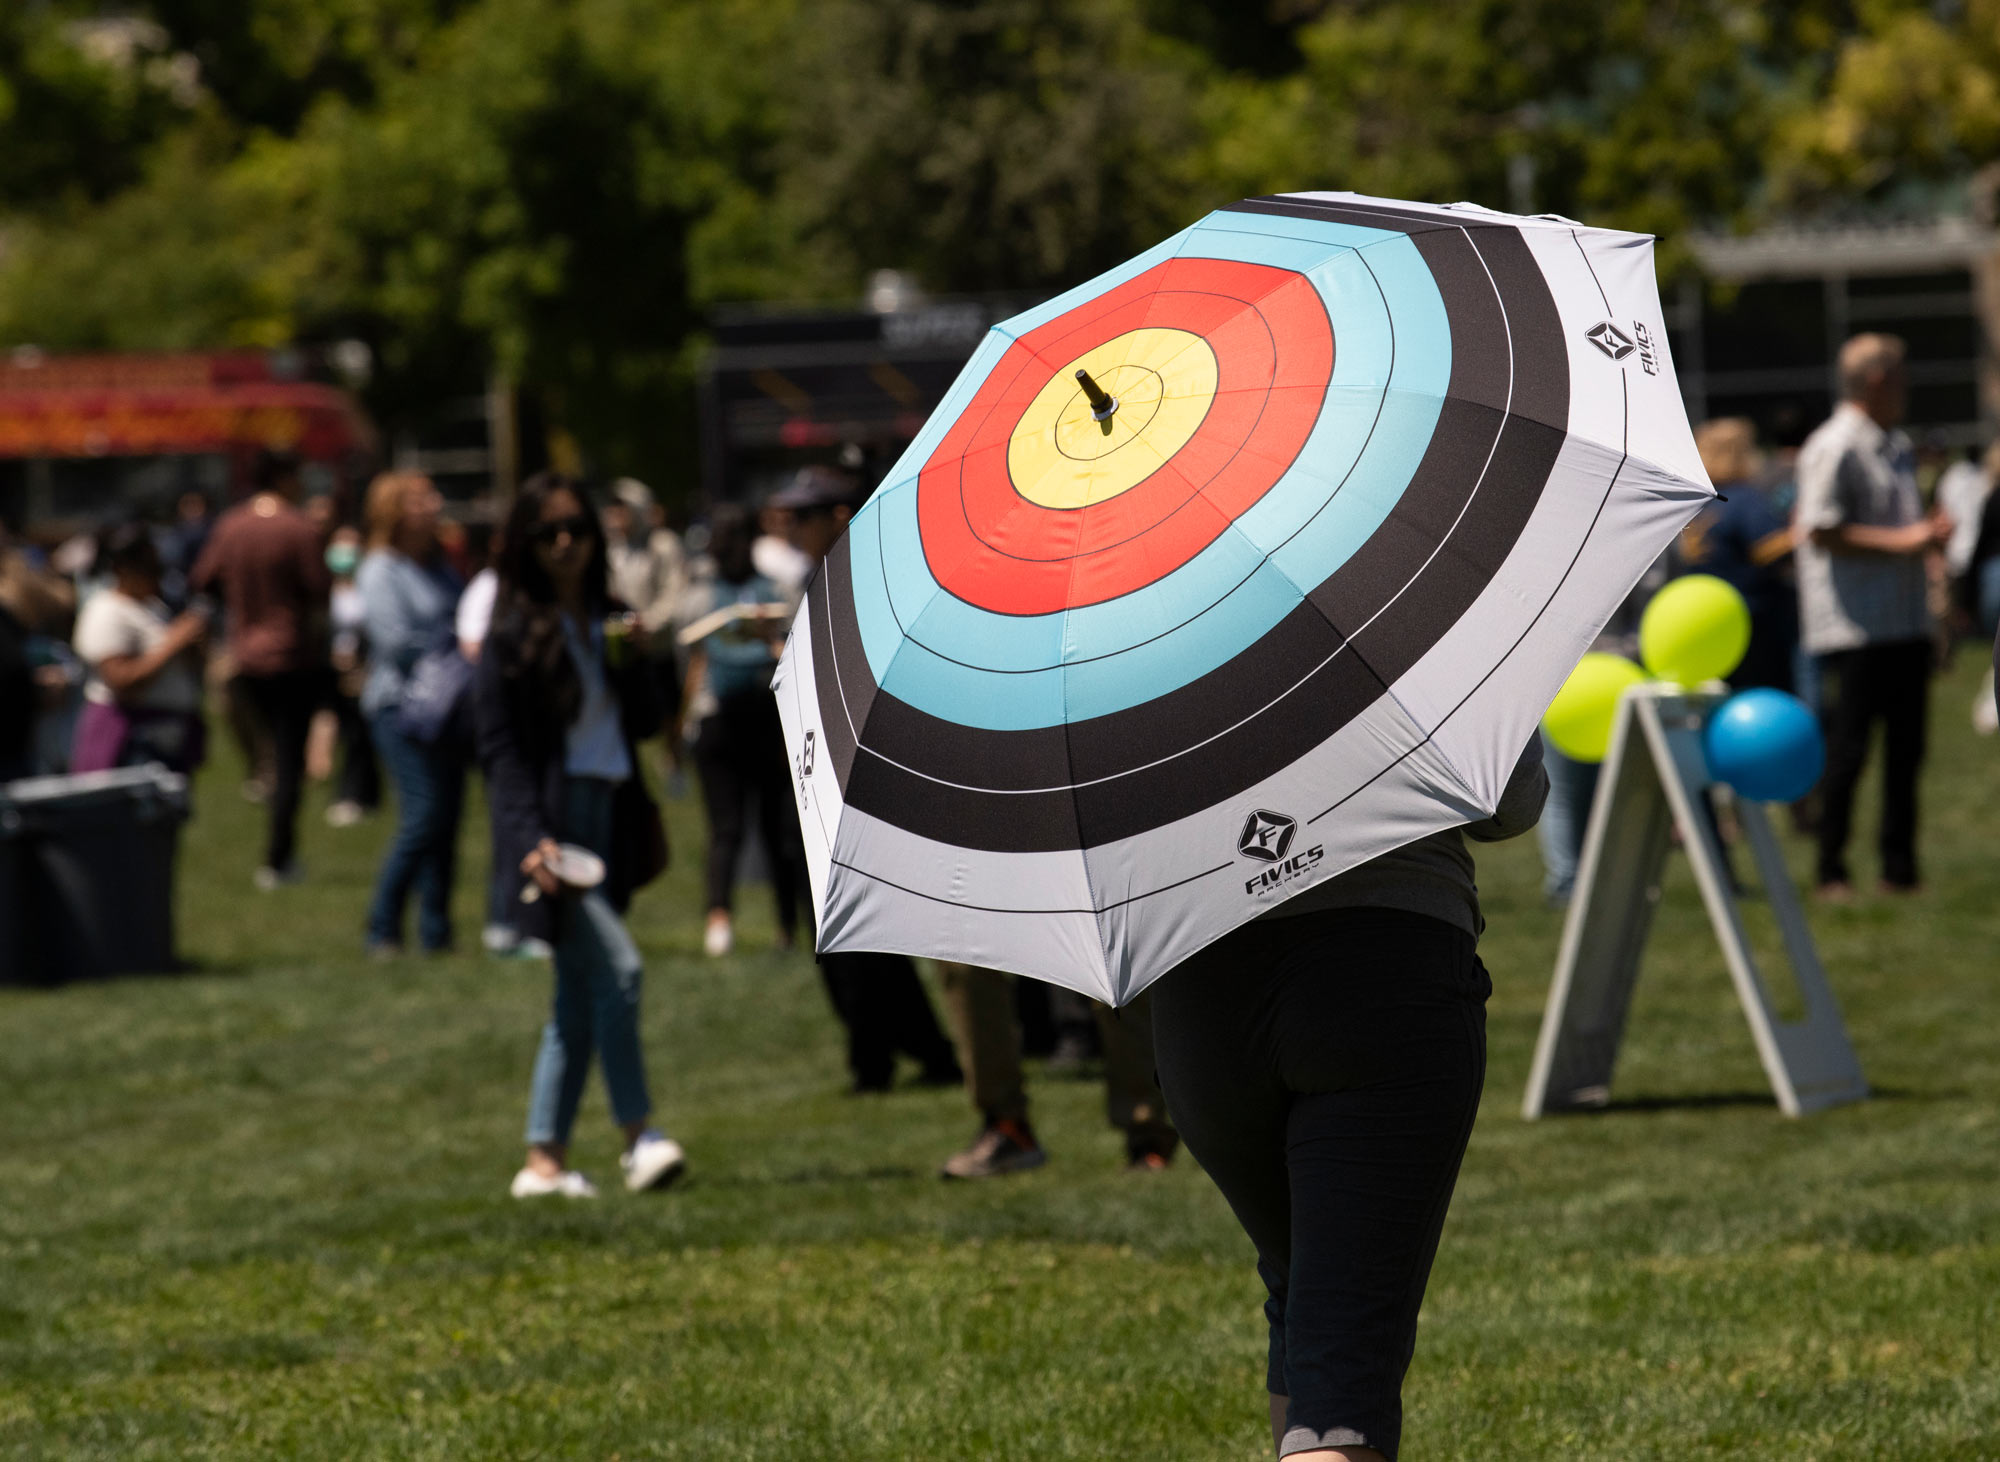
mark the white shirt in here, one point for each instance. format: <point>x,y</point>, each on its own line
<point>781,563</point>
<point>475,608</point>
<point>349,615</point>
<point>1852,471</point>
<point>594,746</point>
<point>1961,492</point>
<point>112,627</point>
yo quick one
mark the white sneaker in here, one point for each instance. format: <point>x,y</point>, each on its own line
<point>1985,715</point>
<point>569,1183</point>
<point>344,814</point>
<point>718,938</point>
<point>653,1162</point>
<point>269,879</point>
<point>498,939</point>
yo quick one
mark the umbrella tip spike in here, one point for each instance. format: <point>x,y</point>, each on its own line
<point>1102,404</point>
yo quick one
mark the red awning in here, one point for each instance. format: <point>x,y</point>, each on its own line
<point>198,408</point>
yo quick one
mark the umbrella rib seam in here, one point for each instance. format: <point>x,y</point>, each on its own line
<point>1609,487</point>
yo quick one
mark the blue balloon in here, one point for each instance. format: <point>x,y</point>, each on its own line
<point>1765,745</point>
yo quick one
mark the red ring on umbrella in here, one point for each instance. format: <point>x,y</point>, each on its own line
<point>995,549</point>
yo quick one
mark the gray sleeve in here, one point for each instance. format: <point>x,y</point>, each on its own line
<point>1828,483</point>
<point>1521,803</point>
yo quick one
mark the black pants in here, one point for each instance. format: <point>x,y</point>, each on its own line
<point>882,1003</point>
<point>739,753</point>
<point>1325,1071</point>
<point>360,775</point>
<point>284,703</point>
<point>1889,683</point>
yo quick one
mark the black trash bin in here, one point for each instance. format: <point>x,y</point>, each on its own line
<point>88,867</point>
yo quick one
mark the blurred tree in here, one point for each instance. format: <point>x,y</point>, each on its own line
<point>534,196</point>
<point>183,261</point>
<point>1256,36</point>
<point>1015,144</point>
<point>555,190</point>
<point>1631,113</point>
<point>543,191</point>
<point>81,97</point>
<point>267,64</point>
<point>1913,103</point>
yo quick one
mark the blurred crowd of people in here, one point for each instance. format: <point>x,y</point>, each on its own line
<point>1859,585</point>
<point>397,647</point>
<point>389,647</point>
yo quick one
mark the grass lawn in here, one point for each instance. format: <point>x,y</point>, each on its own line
<point>260,1211</point>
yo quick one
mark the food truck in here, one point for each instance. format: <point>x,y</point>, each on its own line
<point>83,436</point>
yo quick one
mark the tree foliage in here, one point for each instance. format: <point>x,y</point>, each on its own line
<point>1912,102</point>
<point>80,100</point>
<point>557,190</point>
<point>1018,144</point>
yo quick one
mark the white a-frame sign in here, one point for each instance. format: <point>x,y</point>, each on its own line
<point>1651,784</point>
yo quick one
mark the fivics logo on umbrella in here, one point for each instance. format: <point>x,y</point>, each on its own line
<point>805,762</point>
<point>1615,343</point>
<point>1267,838</point>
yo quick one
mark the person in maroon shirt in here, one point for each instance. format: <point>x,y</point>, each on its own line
<point>264,559</point>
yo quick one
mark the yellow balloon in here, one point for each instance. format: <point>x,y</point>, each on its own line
<point>1695,629</point>
<point>1579,720</point>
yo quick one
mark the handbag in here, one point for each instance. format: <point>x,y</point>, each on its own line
<point>638,835</point>
<point>433,694</point>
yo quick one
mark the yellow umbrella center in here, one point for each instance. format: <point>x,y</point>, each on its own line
<point>1062,456</point>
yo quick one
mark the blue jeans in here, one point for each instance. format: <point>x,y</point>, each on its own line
<point>596,997</point>
<point>1565,819</point>
<point>1989,596</point>
<point>430,789</point>
<point>1805,678</point>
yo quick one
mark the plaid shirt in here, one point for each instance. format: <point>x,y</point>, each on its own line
<point>1852,471</point>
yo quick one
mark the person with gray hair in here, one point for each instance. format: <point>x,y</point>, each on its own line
<point>1865,549</point>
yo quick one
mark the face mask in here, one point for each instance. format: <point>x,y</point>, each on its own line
<point>342,557</point>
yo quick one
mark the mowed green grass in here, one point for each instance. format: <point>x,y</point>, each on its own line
<point>260,1211</point>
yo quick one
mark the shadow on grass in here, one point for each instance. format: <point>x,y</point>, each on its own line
<point>1711,1100</point>
<point>1685,1101</point>
<point>201,966</point>
<point>811,1177</point>
<point>233,968</point>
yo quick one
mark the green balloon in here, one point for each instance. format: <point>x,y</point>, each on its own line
<point>1580,718</point>
<point>1696,629</point>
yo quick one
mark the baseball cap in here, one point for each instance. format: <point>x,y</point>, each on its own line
<point>633,493</point>
<point>817,487</point>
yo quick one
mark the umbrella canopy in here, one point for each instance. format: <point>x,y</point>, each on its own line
<point>1243,563</point>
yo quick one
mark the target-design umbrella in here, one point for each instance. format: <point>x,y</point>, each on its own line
<point>1248,561</point>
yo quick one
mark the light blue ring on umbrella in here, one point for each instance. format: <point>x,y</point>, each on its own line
<point>1030,671</point>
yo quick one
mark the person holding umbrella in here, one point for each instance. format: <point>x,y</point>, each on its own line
<point>1324,1064</point>
<point>1182,648</point>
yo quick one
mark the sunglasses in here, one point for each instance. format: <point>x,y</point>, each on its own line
<point>576,527</point>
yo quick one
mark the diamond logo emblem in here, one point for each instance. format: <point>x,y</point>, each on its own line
<point>1266,836</point>
<point>1608,338</point>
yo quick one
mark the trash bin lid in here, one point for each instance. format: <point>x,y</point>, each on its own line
<point>39,797</point>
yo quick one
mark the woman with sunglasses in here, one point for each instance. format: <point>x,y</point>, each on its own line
<point>558,719</point>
